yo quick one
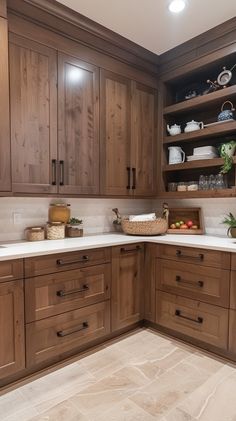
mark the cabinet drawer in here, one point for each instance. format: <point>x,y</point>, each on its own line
<point>57,293</point>
<point>204,322</point>
<point>10,270</point>
<point>232,331</point>
<point>51,337</point>
<point>213,258</point>
<point>65,261</point>
<point>193,281</point>
<point>233,290</point>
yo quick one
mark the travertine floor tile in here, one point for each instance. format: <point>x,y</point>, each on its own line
<point>65,411</point>
<point>125,411</point>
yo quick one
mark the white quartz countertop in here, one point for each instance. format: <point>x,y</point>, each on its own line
<point>20,249</point>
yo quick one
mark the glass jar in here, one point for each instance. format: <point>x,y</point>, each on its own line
<point>55,230</point>
<point>192,186</point>
<point>35,233</point>
<point>172,186</point>
<point>59,212</point>
<point>182,186</point>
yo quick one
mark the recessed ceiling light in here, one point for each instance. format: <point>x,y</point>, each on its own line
<point>177,6</point>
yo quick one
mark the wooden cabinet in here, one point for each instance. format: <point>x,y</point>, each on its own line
<point>33,100</point>
<point>127,285</point>
<point>12,349</point>
<point>78,126</point>
<point>128,136</point>
<point>3,8</point>
<point>10,270</point>
<point>5,166</point>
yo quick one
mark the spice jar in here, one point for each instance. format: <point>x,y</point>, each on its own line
<point>35,233</point>
<point>59,212</point>
<point>182,186</point>
<point>55,230</point>
<point>192,186</point>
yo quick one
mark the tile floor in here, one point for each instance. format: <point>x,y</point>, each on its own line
<point>142,377</point>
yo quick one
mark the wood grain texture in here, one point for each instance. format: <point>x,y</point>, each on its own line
<point>12,349</point>
<point>3,8</point>
<point>115,133</point>
<point>127,285</point>
<point>57,293</point>
<point>78,125</point>
<point>61,262</point>
<point>232,329</point>
<point>33,78</point>
<point>214,326</point>
<point>11,269</point>
<point>5,164</point>
<point>150,283</point>
<point>43,342</point>
<point>144,138</point>
<point>193,281</point>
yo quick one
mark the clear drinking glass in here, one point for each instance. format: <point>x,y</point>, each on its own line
<point>206,183</point>
<point>212,182</point>
<point>220,184</point>
<point>201,182</point>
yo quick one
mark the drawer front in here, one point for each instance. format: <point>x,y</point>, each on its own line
<point>11,270</point>
<point>193,281</point>
<point>66,261</point>
<point>49,338</point>
<point>212,258</point>
<point>232,332</point>
<point>204,322</point>
<point>57,293</point>
<point>233,290</point>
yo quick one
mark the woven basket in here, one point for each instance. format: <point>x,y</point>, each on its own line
<point>157,227</point>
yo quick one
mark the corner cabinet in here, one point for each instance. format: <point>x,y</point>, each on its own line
<point>33,100</point>
<point>127,285</point>
<point>128,130</point>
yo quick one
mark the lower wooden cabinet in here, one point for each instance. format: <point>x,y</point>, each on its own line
<point>52,337</point>
<point>127,285</point>
<point>204,322</point>
<point>12,341</point>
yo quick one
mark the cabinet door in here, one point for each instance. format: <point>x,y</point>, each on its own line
<point>115,115</point>
<point>5,175</point>
<point>144,139</point>
<point>12,349</point>
<point>127,285</point>
<point>33,99</point>
<point>78,124</point>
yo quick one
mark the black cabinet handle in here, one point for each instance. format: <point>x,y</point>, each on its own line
<point>61,262</point>
<point>179,254</point>
<point>134,178</point>
<point>197,320</point>
<point>63,333</point>
<point>124,250</point>
<point>54,172</point>
<point>62,293</point>
<point>199,284</point>
<point>129,178</point>
<point>62,171</point>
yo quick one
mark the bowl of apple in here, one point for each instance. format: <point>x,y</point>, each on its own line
<point>185,221</point>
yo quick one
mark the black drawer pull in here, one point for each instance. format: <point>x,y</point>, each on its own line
<point>179,254</point>
<point>61,262</point>
<point>62,172</point>
<point>129,178</point>
<point>124,250</point>
<point>63,333</point>
<point>134,178</point>
<point>54,172</point>
<point>62,293</point>
<point>199,284</point>
<point>197,320</point>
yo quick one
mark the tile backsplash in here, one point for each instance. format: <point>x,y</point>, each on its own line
<point>18,213</point>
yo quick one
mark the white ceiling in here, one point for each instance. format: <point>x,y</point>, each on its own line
<point>149,22</point>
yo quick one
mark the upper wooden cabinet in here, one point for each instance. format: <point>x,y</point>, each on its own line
<point>33,100</point>
<point>78,126</point>
<point>128,136</point>
<point>5,166</point>
<point>3,8</point>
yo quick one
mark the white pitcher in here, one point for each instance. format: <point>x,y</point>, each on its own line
<point>176,155</point>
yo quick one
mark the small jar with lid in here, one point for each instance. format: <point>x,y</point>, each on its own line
<point>192,186</point>
<point>59,212</point>
<point>182,186</point>
<point>35,233</point>
<point>55,230</point>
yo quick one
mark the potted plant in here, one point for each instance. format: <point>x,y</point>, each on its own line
<point>230,220</point>
<point>74,228</point>
<point>227,151</point>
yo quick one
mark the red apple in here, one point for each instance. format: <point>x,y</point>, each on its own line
<point>190,223</point>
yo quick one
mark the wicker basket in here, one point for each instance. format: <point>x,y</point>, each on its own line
<point>157,227</point>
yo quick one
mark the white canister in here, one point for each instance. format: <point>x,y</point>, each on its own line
<point>176,155</point>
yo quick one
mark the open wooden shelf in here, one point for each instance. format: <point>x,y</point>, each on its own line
<point>201,163</point>
<point>201,101</point>
<point>198,194</point>
<point>217,130</point>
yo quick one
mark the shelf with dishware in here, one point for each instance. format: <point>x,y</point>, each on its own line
<point>201,163</point>
<point>219,193</point>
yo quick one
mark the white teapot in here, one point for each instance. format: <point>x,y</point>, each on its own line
<point>193,125</point>
<point>173,130</point>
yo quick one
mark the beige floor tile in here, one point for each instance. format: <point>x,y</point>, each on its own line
<point>65,411</point>
<point>125,411</point>
<point>178,415</point>
<point>14,403</point>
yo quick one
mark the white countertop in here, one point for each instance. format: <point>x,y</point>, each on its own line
<point>20,249</point>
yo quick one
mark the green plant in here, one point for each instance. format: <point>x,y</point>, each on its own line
<point>230,220</point>
<point>75,221</point>
<point>226,152</point>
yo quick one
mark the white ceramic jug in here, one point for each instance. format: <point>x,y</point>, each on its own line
<point>176,155</point>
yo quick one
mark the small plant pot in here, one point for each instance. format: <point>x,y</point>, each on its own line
<point>74,231</point>
<point>231,232</point>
